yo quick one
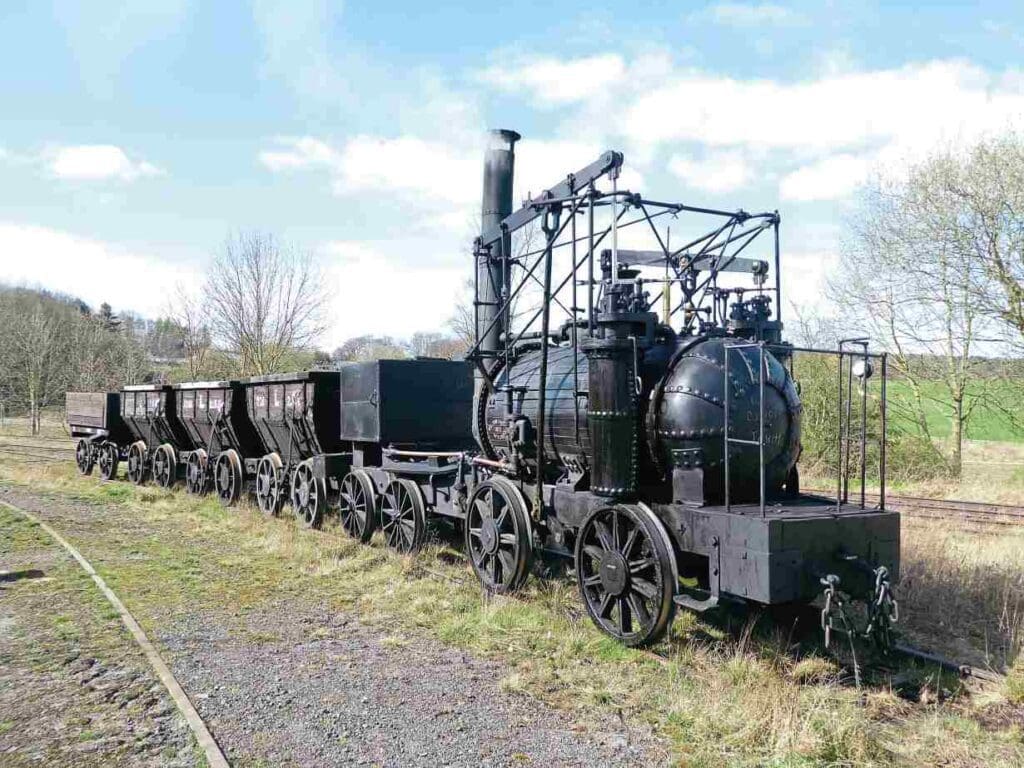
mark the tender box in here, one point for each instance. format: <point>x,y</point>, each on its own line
<point>215,417</point>
<point>407,402</point>
<point>780,558</point>
<point>92,414</point>
<point>149,411</point>
<point>295,414</point>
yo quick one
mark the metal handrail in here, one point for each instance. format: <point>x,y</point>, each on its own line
<point>760,346</point>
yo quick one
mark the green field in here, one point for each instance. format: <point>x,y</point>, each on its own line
<point>1001,420</point>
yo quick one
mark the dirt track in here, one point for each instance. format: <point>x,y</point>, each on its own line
<point>289,684</point>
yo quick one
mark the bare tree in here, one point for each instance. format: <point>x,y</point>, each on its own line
<point>427,344</point>
<point>188,313</point>
<point>36,351</point>
<point>908,278</point>
<point>985,190</point>
<point>264,301</point>
<point>369,348</point>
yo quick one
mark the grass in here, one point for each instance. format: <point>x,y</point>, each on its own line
<point>986,422</point>
<point>55,717</point>
<point>725,693</point>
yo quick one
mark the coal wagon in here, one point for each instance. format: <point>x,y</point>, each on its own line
<point>158,437</point>
<point>296,418</point>
<point>94,420</point>
<point>224,439</point>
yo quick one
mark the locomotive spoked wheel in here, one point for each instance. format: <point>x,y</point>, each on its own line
<point>357,505</point>
<point>269,479</point>
<point>625,568</point>
<point>165,466</point>
<point>195,473</point>
<point>84,457</point>
<point>108,460</point>
<point>227,477</point>
<point>137,463</point>
<point>309,496</point>
<point>498,536</point>
<point>403,516</point>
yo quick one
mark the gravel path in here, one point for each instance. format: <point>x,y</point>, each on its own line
<point>75,690</point>
<point>294,684</point>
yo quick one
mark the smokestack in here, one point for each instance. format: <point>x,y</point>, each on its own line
<point>499,167</point>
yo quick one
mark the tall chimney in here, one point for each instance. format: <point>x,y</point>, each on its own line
<point>492,277</point>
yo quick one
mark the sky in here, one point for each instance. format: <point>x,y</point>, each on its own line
<point>137,137</point>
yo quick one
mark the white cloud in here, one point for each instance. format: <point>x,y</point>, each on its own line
<point>827,179</point>
<point>389,288</point>
<point>432,184</point>
<point>93,270</point>
<point>914,103</point>
<point>718,172</point>
<point>97,162</point>
<point>752,14</point>
<point>556,82</point>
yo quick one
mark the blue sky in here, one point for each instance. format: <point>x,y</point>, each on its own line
<point>136,137</point>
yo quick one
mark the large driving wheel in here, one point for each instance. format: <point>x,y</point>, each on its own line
<point>165,466</point>
<point>498,537</point>
<point>84,457</point>
<point>137,463</point>
<point>403,516</point>
<point>626,572</point>
<point>228,477</point>
<point>196,478</point>
<point>309,495</point>
<point>357,505</point>
<point>108,460</point>
<point>269,482</point>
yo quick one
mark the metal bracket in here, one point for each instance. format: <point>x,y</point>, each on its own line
<point>714,583</point>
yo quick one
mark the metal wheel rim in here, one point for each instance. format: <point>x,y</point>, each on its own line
<point>356,506</point>
<point>136,464</point>
<point>195,473</point>
<point>622,575</point>
<point>226,478</point>
<point>163,467</point>
<point>401,518</point>
<point>83,457</point>
<point>497,538</point>
<point>306,496</point>
<point>107,460</point>
<point>268,486</point>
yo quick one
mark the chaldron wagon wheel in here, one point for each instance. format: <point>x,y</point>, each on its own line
<point>165,466</point>
<point>357,505</point>
<point>309,495</point>
<point>108,460</point>
<point>196,477</point>
<point>85,457</point>
<point>403,516</point>
<point>137,463</point>
<point>228,477</point>
<point>269,482</point>
<point>626,570</point>
<point>498,537</point>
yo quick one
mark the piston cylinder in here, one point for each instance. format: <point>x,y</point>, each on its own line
<point>612,416</point>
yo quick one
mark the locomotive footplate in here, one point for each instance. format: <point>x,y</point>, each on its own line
<point>781,557</point>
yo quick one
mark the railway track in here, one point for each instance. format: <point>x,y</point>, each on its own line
<point>975,513</point>
<point>28,450</point>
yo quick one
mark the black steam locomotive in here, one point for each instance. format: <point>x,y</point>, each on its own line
<point>658,453</point>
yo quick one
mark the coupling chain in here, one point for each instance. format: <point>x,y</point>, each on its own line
<point>883,611</point>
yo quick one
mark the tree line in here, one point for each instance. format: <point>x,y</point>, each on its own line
<point>931,269</point>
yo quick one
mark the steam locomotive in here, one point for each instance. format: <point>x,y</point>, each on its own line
<point>656,453</point>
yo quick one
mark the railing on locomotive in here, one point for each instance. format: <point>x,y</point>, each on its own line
<point>846,359</point>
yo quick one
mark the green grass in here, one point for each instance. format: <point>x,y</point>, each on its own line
<point>718,695</point>
<point>986,422</point>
